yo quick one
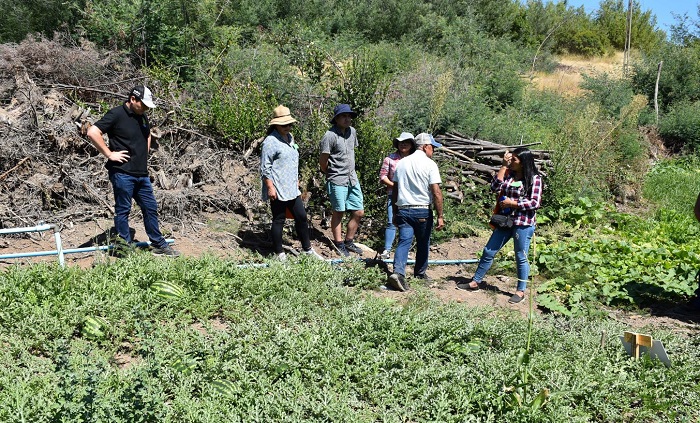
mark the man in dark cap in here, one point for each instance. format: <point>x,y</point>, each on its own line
<point>337,162</point>
<point>127,164</point>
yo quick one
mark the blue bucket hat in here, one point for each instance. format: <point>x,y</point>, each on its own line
<point>342,108</point>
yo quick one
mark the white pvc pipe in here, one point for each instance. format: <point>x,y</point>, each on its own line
<point>71,251</point>
<point>38,228</point>
<point>59,247</point>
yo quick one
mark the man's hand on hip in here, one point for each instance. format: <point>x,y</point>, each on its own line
<point>119,156</point>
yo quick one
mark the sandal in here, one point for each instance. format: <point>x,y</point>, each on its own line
<point>467,286</point>
<point>515,299</point>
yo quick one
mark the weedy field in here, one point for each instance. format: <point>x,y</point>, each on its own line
<point>146,340</point>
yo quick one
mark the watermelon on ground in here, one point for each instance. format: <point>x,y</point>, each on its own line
<point>167,290</point>
<point>94,327</point>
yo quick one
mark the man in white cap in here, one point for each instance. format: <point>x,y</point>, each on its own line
<point>127,164</point>
<point>416,189</point>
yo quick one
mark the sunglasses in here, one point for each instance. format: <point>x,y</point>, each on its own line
<point>286,125</point>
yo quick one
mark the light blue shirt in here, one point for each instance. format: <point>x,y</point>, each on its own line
<point>279,162</point>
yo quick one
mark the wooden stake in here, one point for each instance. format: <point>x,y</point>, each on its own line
<point>637,340</point>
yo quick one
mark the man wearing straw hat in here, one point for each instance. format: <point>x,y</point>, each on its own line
<point>416,190</point>
<point>127,164</point>
<point>337,162</point>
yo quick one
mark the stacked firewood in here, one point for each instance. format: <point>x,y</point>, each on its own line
<point>477,160</point>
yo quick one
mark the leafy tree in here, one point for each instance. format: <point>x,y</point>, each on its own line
<point>19,18</point>
<point>541,19</point>
<point>580,36</point>
<point>680,75</point>
<point>611,18</point>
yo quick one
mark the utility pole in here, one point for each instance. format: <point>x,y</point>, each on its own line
<point>628,40</point>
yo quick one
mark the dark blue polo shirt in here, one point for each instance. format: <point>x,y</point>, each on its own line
<point>127,131</point>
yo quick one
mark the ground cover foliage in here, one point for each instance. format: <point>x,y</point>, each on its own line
<point>594,254</point>
<point>295,342</point>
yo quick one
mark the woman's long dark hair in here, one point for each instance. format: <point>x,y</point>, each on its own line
<point>527,164</point>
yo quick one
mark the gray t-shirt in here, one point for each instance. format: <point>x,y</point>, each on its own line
<point>341,160</point>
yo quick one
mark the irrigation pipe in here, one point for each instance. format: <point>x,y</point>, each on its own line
<point>434,262</point>
<point>42,227</point>
<point>70,251</point>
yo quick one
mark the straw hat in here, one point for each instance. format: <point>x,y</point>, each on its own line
<point>281,116</point>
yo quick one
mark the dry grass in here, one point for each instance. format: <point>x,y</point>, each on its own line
<point>567,77</point>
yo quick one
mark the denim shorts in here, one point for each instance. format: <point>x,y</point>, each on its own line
<point>345,198</point>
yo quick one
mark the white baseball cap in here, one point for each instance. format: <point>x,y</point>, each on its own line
<point>144,94</point>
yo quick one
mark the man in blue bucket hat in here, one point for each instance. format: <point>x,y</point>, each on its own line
<point>337,162</point>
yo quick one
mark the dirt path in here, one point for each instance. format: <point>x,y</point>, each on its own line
<point>217,235</point>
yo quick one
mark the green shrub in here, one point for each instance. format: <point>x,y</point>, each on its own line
<point>364,82</point>
<point>613,94</point>
<point>239,113</point>
<point>674,184</point>
<point>680,126</point>
<point>375,144</point>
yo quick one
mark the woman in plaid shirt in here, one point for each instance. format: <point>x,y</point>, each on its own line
<point>519,188</point>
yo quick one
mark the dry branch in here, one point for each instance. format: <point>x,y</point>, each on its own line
<point>4,175</point>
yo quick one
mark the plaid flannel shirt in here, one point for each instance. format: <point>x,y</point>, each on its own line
<point>524,214</point>
<point>389,167</point>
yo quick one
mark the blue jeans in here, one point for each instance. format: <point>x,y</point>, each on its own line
<point>522,235</point>
<point>139,188</point>
<point>390,232</point>
<point>418,222</point>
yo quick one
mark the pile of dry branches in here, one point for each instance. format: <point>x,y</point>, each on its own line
<point>478,160</point>
<point>49,96</point>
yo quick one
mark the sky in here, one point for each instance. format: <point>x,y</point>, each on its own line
<point>661,8</point>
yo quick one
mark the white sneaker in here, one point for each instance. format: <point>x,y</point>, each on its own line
<point>282,256</point>
<point>385,255</point>
<point>313,254</point>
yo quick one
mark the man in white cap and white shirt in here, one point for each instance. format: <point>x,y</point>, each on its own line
<point>127,164</point>
<point>416,189</point>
